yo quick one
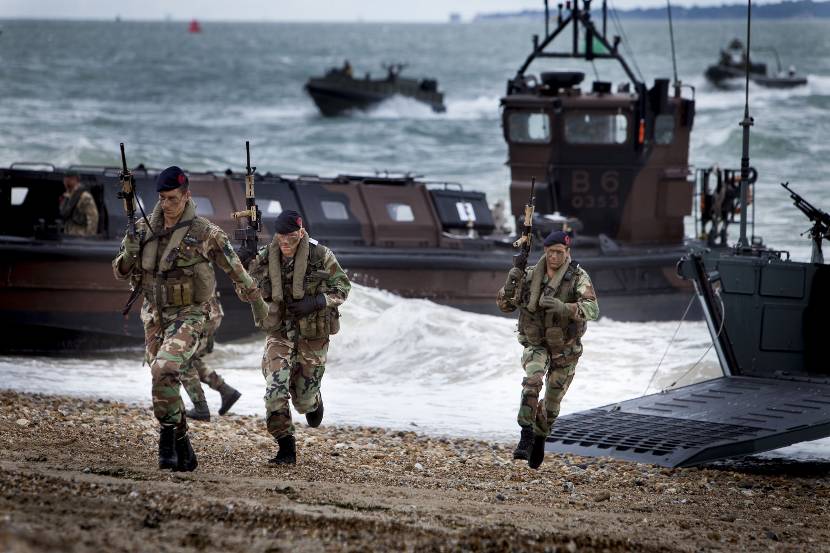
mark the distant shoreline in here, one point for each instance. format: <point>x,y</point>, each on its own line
<point>798,9</point>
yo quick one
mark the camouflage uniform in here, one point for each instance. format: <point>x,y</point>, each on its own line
<point>79,213</point>
<point>197,371</point>
<point>552,343</point>
<point>294,359</point>
<point>176,276</point>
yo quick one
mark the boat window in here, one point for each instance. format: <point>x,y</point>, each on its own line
<point>596,128</point>
<point>529,127</point>
<point>334,210</point>
<point>274,207</point>
<point>203,205</point>
<point>19,194</point>
<point>401,213</point>
<point>466,212</point>
<point>664,128</point>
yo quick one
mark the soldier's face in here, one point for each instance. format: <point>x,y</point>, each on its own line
<point>173,202</point>
<point>71,183</point>
<point>290,242</point>
<point>556,255</point>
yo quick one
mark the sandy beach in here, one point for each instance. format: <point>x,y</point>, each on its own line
<point>80,475</point>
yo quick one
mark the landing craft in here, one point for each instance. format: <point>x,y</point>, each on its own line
<point>339,92</point>
<point>610,162</point>
<point>730,69</point>
<point>766,315</point>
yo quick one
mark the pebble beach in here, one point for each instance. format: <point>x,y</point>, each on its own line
<point>80,475</point>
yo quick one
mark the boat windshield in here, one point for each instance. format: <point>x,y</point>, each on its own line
<point>529,127</point>
<point>596,128</point>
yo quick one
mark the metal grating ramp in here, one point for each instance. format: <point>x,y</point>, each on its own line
<point>709,420</point>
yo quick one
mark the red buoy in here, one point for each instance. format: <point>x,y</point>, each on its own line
<point>194,27</point>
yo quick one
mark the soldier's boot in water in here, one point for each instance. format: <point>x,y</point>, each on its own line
<point>168,460</point>
<point>229,397</point>
<point>522,450</point>
<point>287,455</point>
<point>537,453</point>
<point>186,456</point>
<point>200,411</point>
<point>314,418</point>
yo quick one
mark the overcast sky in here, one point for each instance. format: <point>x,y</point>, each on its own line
<point>291,10</point>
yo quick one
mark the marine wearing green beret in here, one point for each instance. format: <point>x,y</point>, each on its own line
<point>556,302</point>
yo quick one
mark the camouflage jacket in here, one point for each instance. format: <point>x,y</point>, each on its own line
<point>79,213</point>
<point>313,270</point>
<point>539,324</point>
<point>175,269</point>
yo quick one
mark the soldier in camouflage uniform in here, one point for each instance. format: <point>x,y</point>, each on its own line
<point>555,299</point>
<point>77,207</point>
<point>171,264</point>
<point>198,372</point>
<point>303,284</point>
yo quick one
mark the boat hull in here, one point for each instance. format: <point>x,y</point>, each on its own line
<point>336,96</point>
<point>62,295</point>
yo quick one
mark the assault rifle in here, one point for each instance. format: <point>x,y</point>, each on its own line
<point>248,235</point>
<point>819,218</point>
<point>127,193</point>
<point>525,241</point>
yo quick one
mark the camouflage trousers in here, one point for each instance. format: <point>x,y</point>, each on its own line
<point>196,374</point>
<point>170,341</point>
<point>291,374</point>
<point>197,371</point>
<point>557,372</point>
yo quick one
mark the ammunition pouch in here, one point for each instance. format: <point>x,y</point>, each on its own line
<point>554,338</point>
<point>320,324</point>
<point>546,329</point>
<point>182,286</point>
<point>169,293</point>
<point>530,326</point>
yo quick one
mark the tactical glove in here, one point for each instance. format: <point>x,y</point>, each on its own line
<point>260,309</point>
<point>513,278</point>
<point>309,304</point>
<point>131,247</point>
<point>556,305</point>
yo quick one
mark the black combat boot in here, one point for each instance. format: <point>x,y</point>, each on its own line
<point>229,397</point>
<point>537,454</point>
<point>314,418</point>
<point>522,450</point>
<point>200,411</point>
<point>287,454</point>
<point>168,460</point>
<point>187,457</point>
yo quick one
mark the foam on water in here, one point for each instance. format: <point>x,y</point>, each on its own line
<point>458,109</point>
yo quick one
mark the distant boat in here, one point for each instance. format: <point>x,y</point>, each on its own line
<point>731,70</point>
<point>194,27</point>
<point>338,91</point>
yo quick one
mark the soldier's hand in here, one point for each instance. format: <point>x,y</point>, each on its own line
<point>305,306</point>
<point>131,247</point>
<point>556,305</point>
<point>260,309</point>
<point>513,277</point>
